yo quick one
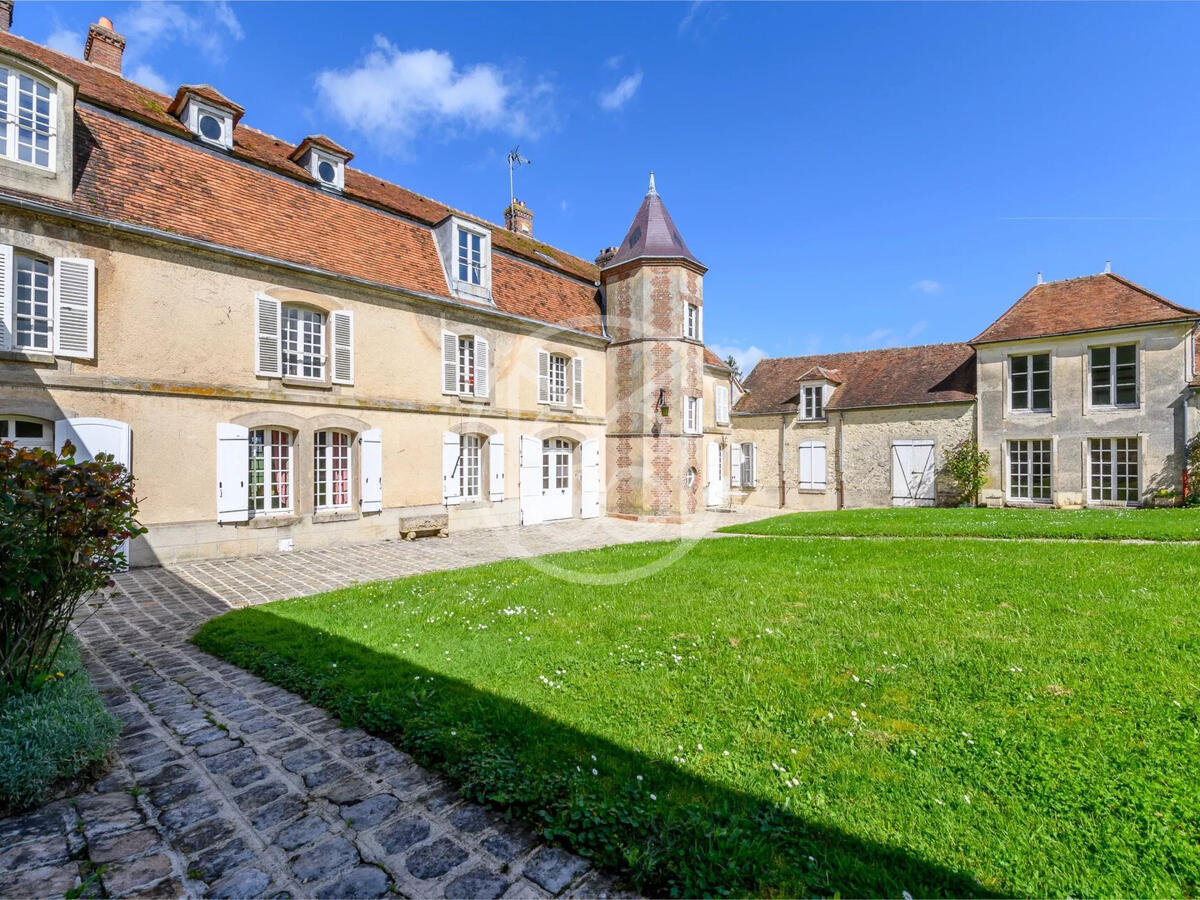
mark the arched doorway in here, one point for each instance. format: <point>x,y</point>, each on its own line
<point>557,467</point>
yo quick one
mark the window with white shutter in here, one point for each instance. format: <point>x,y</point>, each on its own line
<point>370,461</point>
<point>341,326</point>
<point>496,467</point>
<point>267,357</point>
<point>554,376</point>
<point>74,307</point>
<point>482,353</point>
<point>451,462</point>
<point>466,360</point>
<point>812,466</point>
<point>543,394</point>
<point>722,404</point>
<point>577,381</point>
<point>6,296</point>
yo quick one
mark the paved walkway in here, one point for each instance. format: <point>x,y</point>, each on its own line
<point>227,786</point>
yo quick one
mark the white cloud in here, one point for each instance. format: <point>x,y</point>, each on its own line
<point>622,92</point>
<point>613,62</point>
<point>147,77</point>
<point>209,27</point>
<point>926,286</point>
<point>701,16</point>
<point>398,94</point>
<point>64,40</point>
<point>746,357</point>
<point>884,337</point>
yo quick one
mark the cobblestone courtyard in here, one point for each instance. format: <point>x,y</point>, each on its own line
<point>226,786</point>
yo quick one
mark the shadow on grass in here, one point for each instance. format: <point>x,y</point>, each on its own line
<point>669,832</point>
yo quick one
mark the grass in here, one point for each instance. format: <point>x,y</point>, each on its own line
<point>794,717</point>
<point>52,733</point>
<point>1093,524</point>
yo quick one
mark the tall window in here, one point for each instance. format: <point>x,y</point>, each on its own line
<point>302,335</point>
<point>813,402</point>
<point>1114,470</point>
<point>470,468</point>
<point>270,484</point>
<point>331,470</point>
<point>33,302</point>
<point>691,321</point>
<point>1030,382</point>
<point>747,473</point>
<point>470,257</point>
<point>1029,470</point>
<point>26,119</point>
<point>558,379</point>
<point>1114,375</point>
<point>466,365</point>
<point>691,415</point>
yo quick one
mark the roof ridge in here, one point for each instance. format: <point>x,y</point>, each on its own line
<point>871,350</point>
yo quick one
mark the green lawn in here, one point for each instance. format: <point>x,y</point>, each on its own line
<point>795,717</point>
<point>1097,524</point>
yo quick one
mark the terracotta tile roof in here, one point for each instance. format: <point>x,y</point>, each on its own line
<point>324,142</point>
<point>133,175</point>
<point>207,93</point>
<point>712,359</point>
<point>1091,303</point>
<point>820,373</point>
<point>897,376</point>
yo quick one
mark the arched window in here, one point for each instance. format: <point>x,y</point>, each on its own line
<point>271,471</point>
<point>26,119</point>
<point>27,433</point>
<point>331,470</point>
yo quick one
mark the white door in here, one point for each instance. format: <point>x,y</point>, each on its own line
<point>92,437</point>
<point>716,475</point>
<point>556,479</point>
<point>912,473</point>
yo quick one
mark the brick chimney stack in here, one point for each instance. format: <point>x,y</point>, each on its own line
<point>104,46</point>
<point>605,255</point>
<point>518,218</point>
<point>6,7</point>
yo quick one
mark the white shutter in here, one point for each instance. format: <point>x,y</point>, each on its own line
<point>722,404</point>
<point>449,363</point>
<point>543,377</point>
<point>341,324</point>
<point>370,463</point>
<point>806,467</point>
<point>233,470</point>
<point>268,358</point>
<point>735,466</point>
<point>685,319</point>
<point>700,323</point>
<point>754,465</point>
<point>531,480</point>
<point>496,467</point>
<point>577,371</point>
<point>590,481</point>
<point>74,307</point>
<point>6,297</point>
<point>482,387</point>
<point>699,415</point>
<point>451,453</point>
<point>92,437</point>
<point>818,466</point>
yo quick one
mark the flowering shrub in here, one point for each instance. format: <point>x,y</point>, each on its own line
<point>1193,469</point>
<point>62,524</point>
<point>967,464</point>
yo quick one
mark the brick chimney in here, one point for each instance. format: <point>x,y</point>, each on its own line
<point>6,15</point>
<point>605,255</point>
<point>104,46</point>
<point>518,218</point>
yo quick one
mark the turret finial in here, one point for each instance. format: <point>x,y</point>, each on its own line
<point>651,192</point>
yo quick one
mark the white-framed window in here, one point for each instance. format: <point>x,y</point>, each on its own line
<point>470,467</point>
<point>693,415</point>
<point>691,321</point>
<point>331,470</point>
<point>1114,375</point>
<point>27,433</point>
<point>33,303</point>
<point>270,474</point>
<point>812,466</point>
<point>558,379</point>
<point>690,478</point>
<point>721,402</point>
<point>302,337</point>
<point>749,465</point>
<point>1029,470</point>
<point>209,123</point>
<point>329,170</point>
<point>1029,382</point>
<point>556,464</point>
<point>1114,471</point>
<point>27,114</point>
<point>466,364</point>
<point>812,401</point>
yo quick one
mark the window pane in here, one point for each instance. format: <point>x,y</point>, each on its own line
<point>466,365</point>
<point>1101,376</point>
<point>469,470</point>
<point>257,480</point>
<point>32,295</point>
<point>303,340</point>
<point>27,429</point>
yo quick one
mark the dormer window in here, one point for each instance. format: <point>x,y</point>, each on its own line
<point>27,118</point>
<point>812,405</point>
<point>324,160</point>
<point>466,249</point>
<point>206,114</point>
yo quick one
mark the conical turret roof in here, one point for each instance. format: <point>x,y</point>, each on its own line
<point>652,235</point>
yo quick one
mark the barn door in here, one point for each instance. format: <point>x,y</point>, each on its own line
<point>913,473</point>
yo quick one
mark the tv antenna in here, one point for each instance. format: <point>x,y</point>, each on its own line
<point>515,161</point>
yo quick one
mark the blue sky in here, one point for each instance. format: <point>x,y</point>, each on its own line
<point>854,175</point>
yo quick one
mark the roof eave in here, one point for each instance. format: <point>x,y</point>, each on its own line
<point>684,261</point>
<point>1177,320</point>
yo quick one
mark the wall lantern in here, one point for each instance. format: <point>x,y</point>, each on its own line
<point>663,408</point>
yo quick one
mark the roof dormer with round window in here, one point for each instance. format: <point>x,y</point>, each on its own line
<point>323,159</point>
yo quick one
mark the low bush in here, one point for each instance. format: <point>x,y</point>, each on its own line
<point>54,731</point>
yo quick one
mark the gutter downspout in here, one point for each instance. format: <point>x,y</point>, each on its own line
<point>841,458</point>
<point>782,478</point>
